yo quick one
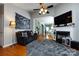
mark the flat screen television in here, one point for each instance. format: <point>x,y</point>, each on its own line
<point>63,19</point>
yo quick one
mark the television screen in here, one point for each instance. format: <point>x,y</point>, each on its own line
<point>68,17</point>
<point>63,19</point>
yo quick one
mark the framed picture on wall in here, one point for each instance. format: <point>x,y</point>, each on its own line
<point>22,22</point>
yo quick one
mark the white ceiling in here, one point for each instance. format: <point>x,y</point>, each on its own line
<point>31,6</point>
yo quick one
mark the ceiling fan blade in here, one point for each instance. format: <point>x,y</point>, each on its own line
<point>50,6</point>
<point>47,12</point>
<point>36,9</point>
<point>39,14</point>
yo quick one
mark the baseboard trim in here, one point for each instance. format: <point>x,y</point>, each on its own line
<point>8,45</point>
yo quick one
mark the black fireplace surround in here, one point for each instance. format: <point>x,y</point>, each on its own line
<point>61,34</point>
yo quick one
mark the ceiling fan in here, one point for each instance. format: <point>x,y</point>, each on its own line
<point>43,9</point>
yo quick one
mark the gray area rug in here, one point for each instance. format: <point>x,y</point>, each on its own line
<point>50,48</point>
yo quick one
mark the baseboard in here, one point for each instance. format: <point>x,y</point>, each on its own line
<point>8,45</point>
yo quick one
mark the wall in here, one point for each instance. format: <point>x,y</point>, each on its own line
<point>9,14</point>
<point>65,7</point>
<point>45,20</point>
<point>77,22</point>
<point>1,24</point>
<point>42,20</point>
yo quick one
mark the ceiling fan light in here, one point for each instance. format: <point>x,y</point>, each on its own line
<point>45,10</point>
<point>44,13</point>
<point>41,9</point>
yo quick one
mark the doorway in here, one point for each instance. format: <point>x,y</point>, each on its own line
<point>44,26</point>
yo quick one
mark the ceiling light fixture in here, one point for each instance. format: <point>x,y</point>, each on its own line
<point>40,12</point>
<point>44,13</point>
<point>43,8</point>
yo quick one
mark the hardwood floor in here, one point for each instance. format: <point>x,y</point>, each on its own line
<point>14,50</point>
<point>48,36</point>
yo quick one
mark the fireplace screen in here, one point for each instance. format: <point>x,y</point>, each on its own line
<point>63,37</point>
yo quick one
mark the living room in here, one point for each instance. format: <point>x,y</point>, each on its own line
<point>17,13</point>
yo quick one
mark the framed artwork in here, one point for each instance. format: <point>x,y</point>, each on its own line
<point>22,22</point>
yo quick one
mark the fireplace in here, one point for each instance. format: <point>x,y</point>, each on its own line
<point>63,37</point>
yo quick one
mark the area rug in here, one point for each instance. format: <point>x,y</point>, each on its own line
<point>50,48</point>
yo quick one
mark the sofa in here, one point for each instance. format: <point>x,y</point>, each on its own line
<point>25,37</point>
